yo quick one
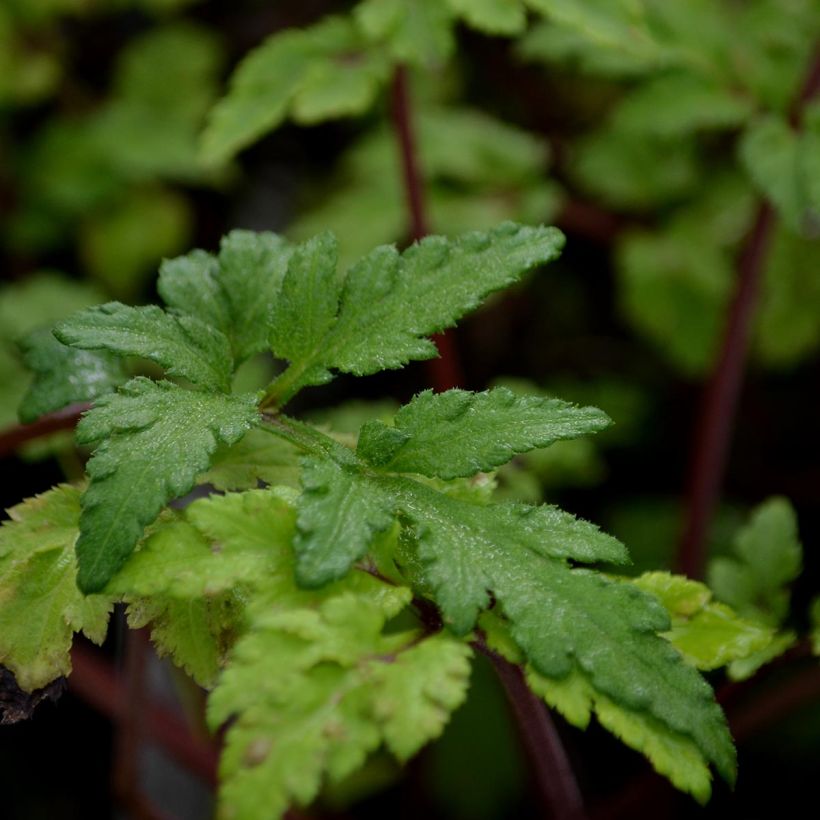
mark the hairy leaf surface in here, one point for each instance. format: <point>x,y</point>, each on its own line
<point>376,329</point>
<point>156,438</point>
<point>184,345</point>
<point>457,433</point>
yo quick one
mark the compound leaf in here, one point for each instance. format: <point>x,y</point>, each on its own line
<point>184,345</point>
<point>156,439</point>
<point>63,375</point>
<point>457,433</point>
<point>562,618</point>
<point>314,690</point>
<point>390,302</point>
<point>40,605</point>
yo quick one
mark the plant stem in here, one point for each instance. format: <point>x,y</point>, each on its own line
<point>560,794</point>
<point>15,437</point>
<point>444,372</point>
<point>559,791</point>
<point>717,417</point>
<point>719,408</point>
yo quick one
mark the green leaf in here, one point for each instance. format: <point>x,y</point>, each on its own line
<point>679,103</point>
<point>339,516</point>
<point>311,74</point>
<point>441,279</point>
<point>768,557</point>
<point>40,605</point>
<point>501,17</point>
<point>63,376</point>
<point>195,633</point>
<point>258,457</point>
<point>457,434</point>
<point>788,318</point>
<point>418,32</point>
<point>313,691</point>
<point>306,309</point>
<point>217,544</point>
<point>744,668</point>
<point>708,634</point>
<point>562,618</point>
<point>156,439</point>
<point>783,164</point>
<point>184,345</point>
<point>671,753</point>
<point>234,292</point>
<point>814,616</point>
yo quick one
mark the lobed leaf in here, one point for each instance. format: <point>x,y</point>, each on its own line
<point>708,634</point>
<point>457,434</point>
<point>441,279</point>
<point>313,691</point>
<point>312,74</point>
<point>182,344</point>
<point>63,376</point>
<point>234,292</point>
<point>40,605</point>
<point>156,439</point>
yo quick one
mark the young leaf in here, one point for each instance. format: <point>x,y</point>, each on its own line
<point>457,434</point>
<point>196,633</point>
<point>184,345</point>
<point>213,547</point>
<point>38,566</point>
<point>63,376</point>
<point>312,74</point>
<point>389,302</point>
<point>314,691</point>
<point>156,439</point>
<point>768,558</point>
<point>708,634</point>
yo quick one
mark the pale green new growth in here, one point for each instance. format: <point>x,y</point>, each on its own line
<point>63,376</point>
<point>156,439</point>
<point>768,557</point>
<point>374,328</point>
<point>456,434</point>
<point>37,565</point>
<point>708,634</point>
<point>315,690</point>
<point>184,345</point>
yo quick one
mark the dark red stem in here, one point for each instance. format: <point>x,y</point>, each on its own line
<point>560,794</point>
<point>445,372</point>
<point>717,416</point>
<point>716,421</point>
<point>94,680</point>
<point>15,437</point>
